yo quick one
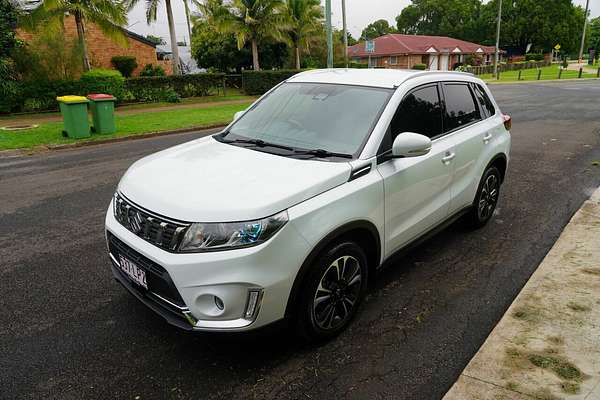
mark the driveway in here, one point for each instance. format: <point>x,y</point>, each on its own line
<point>68,331</point>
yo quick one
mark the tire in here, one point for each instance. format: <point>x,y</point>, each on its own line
<point>486,199</point>
<point>327,304</point>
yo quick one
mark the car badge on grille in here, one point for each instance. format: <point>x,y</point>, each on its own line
<point>135,222</point>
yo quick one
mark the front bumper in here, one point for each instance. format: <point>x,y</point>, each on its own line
<point>185,296</point>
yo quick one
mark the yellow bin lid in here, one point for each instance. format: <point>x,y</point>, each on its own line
<point>72,99</point>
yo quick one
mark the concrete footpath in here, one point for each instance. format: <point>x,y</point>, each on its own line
<point>547,345</point>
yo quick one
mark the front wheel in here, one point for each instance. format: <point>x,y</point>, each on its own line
<point>486,198</point>
<point>332,292</point>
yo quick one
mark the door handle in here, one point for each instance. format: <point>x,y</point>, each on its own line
<point>448,157</point>
<point>487,137</point>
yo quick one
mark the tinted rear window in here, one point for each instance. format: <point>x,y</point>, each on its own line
<point>460,106</point>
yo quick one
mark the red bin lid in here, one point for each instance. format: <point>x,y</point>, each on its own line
<point>100,96</point>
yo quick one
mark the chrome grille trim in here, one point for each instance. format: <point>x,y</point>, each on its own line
<point>160,231</point>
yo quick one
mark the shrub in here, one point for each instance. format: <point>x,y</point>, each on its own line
<point>534,57</point>
<point>420,67</point>
<point>260,82</point>
<point>156,88</point>
<point>10,90</point>
<point>104,81</point>
<point>124,64</point>
<point>351,64</point>
<point>48,56</point>
<point>152,70</point>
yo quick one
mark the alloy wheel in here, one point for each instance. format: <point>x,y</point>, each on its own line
<point>337,293</point>
<point>488,197</point>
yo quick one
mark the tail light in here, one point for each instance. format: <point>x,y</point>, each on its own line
<point>507,122</point>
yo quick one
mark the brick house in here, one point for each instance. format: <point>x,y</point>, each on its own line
<point>404,51</point>
<point>101,48</point>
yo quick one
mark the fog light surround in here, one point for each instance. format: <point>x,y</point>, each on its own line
<point>253,304</point>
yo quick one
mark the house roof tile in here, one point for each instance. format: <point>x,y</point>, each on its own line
<point>394,43</point>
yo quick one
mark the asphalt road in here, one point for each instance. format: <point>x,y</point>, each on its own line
<point>68,331</point>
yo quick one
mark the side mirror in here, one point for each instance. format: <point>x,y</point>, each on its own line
<point>409,144</point>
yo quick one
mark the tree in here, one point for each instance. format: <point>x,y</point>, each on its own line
<point>375,29</point>
<point>594,34</point>
<point>455,18</point>
<point>8,22</point>
<point>541,24</point>
<point>304,19</point>
<point>249,20</point>
<point>151,11</point>
<point>215,50</point>
<point>109,16</point>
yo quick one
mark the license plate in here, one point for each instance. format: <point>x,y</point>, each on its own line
<point>136,274</point>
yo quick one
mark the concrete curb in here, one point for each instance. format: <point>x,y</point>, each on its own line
<point>547,344</point>
<point>37,149</point>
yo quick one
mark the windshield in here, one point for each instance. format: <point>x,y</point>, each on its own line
<point>334,118</point>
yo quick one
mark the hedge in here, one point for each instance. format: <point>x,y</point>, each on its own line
<point>260,82</point>
<point>193,85</point>
<point>41,95</point>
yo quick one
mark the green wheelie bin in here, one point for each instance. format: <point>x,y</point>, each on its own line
<point>75,116</point>
<point>103,112</point>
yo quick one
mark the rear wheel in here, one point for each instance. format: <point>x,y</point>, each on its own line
<point>486,198</point>
<point>332,292</point>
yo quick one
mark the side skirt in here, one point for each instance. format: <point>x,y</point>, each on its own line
<point>424,237</point>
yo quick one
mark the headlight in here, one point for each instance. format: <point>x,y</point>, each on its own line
<point>206,237</point>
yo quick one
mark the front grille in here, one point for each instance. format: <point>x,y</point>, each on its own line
<point>158,279</point>
<point>161,232</point>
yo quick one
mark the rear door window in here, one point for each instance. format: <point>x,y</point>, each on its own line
<point>461,109</point>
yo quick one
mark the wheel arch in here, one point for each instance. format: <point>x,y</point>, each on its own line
<point>499,161</point>
<point>364,232</point>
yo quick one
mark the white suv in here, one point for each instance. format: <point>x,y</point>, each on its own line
<point>290,209</point>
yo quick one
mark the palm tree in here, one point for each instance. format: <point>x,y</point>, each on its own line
<point>108,15</point>
<point>151,11</point>
<point>304,19</point>
<point>248,20</point>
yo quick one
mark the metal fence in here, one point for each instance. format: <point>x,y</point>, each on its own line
<point>489,69</point>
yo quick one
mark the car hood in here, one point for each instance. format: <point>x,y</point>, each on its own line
<point>209,181</point>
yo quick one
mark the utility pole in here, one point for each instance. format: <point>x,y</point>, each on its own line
<point>329,34</point>
<point>587,7</point>
<point>345,29</point>
<point>497,58</point>
<point>187,19</point>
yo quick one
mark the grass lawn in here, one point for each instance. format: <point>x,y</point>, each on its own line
<point>550,72</point>
<point>232,94</point>
<point>128,125</point>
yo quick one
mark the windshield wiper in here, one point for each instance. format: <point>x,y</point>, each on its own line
<point>257,142</point>
<point>321,153</point>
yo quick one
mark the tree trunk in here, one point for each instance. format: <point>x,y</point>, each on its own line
<point>187,20</point>
<point>297,57</point>
<point>255,64</point>
<point>174,49</point>
<point>81,39</point>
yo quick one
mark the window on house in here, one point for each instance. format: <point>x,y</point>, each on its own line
<point>394,60</point>
<point>425,59</point>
